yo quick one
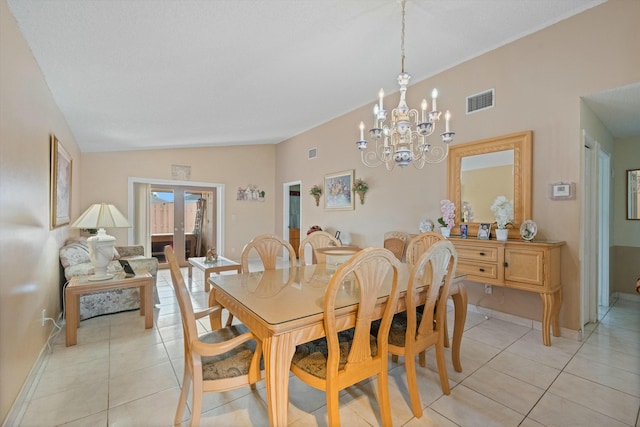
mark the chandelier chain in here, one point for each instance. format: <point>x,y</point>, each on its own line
<point>402,35</point>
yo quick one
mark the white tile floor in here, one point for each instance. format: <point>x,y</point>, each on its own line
<point>120,374</point>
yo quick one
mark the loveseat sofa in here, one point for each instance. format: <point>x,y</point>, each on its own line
<point>74,258</point>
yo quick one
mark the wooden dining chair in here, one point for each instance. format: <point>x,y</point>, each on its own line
<point>413,332</point>
<point>268,247</point>
<point>317,239</point>
<point>346,357</point>
<point>415,248</point>
<point>396,242</point>
<point>223,359</point>
<point>419,244</point>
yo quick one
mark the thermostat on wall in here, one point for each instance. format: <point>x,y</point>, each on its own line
<point>562,191</point>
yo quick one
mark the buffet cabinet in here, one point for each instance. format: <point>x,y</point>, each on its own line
<point>528,266</point>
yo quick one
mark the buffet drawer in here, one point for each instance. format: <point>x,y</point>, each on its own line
<point>477,270</point>
<point>482,253</point>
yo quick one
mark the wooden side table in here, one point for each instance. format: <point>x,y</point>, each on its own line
<point>218,266</point>
<point>81,285</point>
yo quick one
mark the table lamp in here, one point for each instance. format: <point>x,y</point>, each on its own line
<point>101,246</point>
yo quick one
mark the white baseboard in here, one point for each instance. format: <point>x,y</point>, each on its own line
<point>14,417</point>
<point>627,297</point>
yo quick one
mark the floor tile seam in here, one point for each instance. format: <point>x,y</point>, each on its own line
<point>614,327</point>
<point>589,408</point>
<point>538,360</point>
<point>491,399</point>
<point>600,362</point>
<point>544,391</point>
<point>512,376</point>
<point>439,413</point>
<point>602,385</point>
<point>610,350</point>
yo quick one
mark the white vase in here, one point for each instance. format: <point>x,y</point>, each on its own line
<point>445,231</point>
<point>502,234</point>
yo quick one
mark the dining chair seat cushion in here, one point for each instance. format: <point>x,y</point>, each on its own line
<point>398,330</point>
<point>311,357</point>
<point>234,362</point>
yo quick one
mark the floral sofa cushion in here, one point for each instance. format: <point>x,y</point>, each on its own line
<point>74,257</point>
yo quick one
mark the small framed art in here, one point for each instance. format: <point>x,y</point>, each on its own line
<point>60,188</point>
<point>337,191</point>
<point>484,231</point>
<point>464,228</point>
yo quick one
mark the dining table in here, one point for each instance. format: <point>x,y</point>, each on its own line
<point>284,308</point>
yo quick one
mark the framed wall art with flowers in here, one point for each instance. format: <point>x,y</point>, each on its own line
<point>337,191</point>
<point>60,184</point>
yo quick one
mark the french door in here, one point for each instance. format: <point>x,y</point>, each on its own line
<point>184,218</point>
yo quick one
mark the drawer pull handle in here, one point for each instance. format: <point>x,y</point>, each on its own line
<point>482,270</point>
<point>481,253</point>
<point>506,264</point>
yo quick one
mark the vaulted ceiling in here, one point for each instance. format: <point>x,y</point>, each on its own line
<point>133,75</point>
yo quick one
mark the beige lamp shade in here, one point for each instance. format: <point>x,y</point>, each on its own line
<point>101,246</point>
<point>101,215</point>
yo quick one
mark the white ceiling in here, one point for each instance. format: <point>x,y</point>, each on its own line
<point>133,75</point>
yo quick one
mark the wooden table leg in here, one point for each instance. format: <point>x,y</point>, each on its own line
<point>460,310</point>
<point>207,274</point>
<point>278,352</point>
<point>146,304</point>
<point>72,310</point>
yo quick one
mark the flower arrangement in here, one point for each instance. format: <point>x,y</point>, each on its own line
<point>448,210</point>
<point>316,190</point>
<point>359,185</point>
<point>502,208</point>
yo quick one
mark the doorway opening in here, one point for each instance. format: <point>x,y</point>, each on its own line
<point>292,213</point>
<point>182,218</point>
<point>185,215</point>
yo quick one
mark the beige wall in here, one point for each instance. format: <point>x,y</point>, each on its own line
<point>29,266</point>
<point>539,81</point>
<point>224,165</point>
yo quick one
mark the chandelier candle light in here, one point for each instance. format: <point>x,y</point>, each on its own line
<point>398,141</point>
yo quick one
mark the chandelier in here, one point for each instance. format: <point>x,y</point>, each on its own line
<point>403,140</point>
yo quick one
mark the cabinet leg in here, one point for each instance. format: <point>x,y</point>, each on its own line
<point>557,303</point>
<point>550,311</point>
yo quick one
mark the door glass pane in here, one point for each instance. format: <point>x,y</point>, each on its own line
<point>162,222</point>
<point>193,217</point>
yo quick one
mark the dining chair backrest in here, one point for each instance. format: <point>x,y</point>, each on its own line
<point>419,245</point>
<point>268,247</point>
<point>420,332</point>
<point>352,355</point>
<point>396,242</point>
<point>220,360</point>
<point>317,239</point>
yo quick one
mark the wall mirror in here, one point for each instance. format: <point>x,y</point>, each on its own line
<point>480,171</point>
<point>633,194</point>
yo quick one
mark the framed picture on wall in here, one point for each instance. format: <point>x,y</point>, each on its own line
<point>337,191</point>
<point>60,188</point>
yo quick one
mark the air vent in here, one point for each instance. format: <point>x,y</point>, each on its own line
<point>480,101</point>
<point>313,152</point>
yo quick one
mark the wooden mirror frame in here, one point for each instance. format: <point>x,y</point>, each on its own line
<point>521,144</point>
